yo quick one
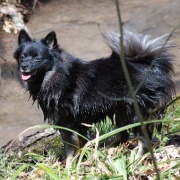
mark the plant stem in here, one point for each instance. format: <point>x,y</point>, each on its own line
<point>131,89</point>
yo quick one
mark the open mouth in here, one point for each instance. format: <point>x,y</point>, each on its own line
<point>27,75</point>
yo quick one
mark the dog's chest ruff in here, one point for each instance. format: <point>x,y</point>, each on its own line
<point>52,100</point>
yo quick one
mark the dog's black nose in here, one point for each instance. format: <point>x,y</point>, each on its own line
<point>24,67</point>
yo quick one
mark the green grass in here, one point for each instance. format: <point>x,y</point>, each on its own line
<point>93,162</point>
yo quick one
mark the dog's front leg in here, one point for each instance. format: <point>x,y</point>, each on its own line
<point>71,145</point>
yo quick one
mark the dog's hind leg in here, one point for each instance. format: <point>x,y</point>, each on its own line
<point>122,136</point>
<point>142,142</point>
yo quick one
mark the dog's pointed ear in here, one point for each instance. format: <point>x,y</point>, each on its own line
<point>23,37</point>
<point>50,40</point>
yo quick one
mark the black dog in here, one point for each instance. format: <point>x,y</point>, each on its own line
<point>71,91</point>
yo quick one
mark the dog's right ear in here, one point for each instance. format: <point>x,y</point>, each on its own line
<point>23,37</point>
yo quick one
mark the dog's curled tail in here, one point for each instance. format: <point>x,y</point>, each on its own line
<point>142,48</point>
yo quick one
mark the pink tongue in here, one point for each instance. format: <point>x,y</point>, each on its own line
<point>25,77</point>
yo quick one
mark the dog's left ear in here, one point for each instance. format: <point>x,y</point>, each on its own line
<point>50,40</point>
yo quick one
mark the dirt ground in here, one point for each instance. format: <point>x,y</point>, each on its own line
<point>78,24</point>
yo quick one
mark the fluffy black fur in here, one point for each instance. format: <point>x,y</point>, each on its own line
<point>71,91</point>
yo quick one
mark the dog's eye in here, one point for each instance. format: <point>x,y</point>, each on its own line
<point>37,58</point>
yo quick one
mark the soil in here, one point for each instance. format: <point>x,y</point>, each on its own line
<point>78,24</point>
